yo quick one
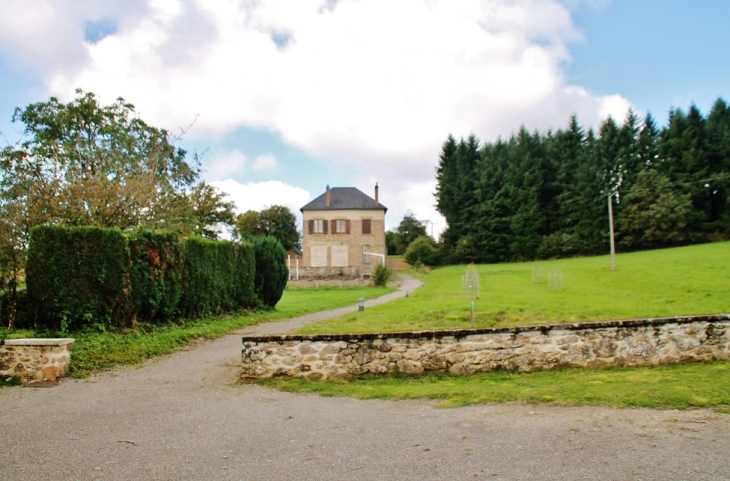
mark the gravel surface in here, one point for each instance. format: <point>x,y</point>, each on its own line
<point>183,417</point>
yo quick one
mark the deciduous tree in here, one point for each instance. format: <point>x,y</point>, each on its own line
<point>277,221</point>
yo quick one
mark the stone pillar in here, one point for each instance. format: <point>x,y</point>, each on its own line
<point>35,359</point>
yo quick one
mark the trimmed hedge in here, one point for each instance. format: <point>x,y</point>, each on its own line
<point>156,274</point>
<point>77,277</point>
<point>218,277</point>
<point>87,276</point>
<point>271,270</point>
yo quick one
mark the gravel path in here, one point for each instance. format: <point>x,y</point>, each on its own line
<point>183,417</point>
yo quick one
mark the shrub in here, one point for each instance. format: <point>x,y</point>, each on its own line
<point>381,275</point>
<point>422,251</point>
<point>78,277</point>
<point>559,245</point>
<point>271,270</point>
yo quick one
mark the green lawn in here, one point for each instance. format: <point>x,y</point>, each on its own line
<point>667,282</point>
<point>661,387</point>
<point>94,351</point>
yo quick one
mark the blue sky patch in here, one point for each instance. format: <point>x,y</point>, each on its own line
<point>96,31</point>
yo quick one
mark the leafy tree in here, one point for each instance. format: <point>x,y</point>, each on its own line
<point>391,243</point>
<point>407,231</point>
<point>422,251</point>
<point>277,221</point>
<point>89,164</point>
<point>655,215</point>
<point>247,224</point>
<point>209,211</point>
<point>84,164</point>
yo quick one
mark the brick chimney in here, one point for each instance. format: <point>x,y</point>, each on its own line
<point>377,203</point>
<point>327,197</point>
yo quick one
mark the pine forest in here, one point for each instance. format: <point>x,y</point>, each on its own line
<point>546,195</point>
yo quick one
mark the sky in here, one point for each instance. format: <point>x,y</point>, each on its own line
<point>281,98</point>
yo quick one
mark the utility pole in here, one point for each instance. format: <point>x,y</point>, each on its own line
<point>610,223</point>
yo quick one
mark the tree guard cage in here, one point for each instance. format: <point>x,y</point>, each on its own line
<point>470,283</point>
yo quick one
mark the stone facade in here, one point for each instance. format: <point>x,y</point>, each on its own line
<point>340,228</point>
<point>329,273</point>
<point>639,342</point>
<point>35,359</point>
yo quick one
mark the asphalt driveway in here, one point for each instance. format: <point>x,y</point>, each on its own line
<point>184,417</point>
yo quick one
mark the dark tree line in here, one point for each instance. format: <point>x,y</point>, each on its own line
<point>543,195</point>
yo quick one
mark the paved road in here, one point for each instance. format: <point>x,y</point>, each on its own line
<point>183,417</point>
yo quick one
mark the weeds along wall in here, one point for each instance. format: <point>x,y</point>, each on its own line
<point>79,277</point>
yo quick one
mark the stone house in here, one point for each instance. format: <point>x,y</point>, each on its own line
<point>341,227</point>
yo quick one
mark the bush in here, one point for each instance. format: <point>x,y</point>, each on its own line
<point>271,270</point>
<point>78,277</point>
<point>422,251</point>
<point>156,274</point>
<point>559,245</point>
<point>381,275</point>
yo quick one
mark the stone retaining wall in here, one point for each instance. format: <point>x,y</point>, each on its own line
<point>35,359</point>
<point>638,342</point>
<point>331,273</point>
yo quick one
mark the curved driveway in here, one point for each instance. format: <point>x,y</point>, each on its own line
<point>183,417</point>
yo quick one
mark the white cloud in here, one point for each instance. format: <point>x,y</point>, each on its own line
<point>376,85</point>
<point>403,196</point>
<point>374,81</point>
<point>259,195</point>
<point>223,166</point>
<point>265,162</point>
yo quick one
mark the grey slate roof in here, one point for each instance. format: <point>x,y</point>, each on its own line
<point>344,198</point>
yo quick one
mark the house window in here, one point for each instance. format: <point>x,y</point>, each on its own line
<point>341,226</point>
<point>318,226</point>
<point>365,256</point>
<point>366,226</point>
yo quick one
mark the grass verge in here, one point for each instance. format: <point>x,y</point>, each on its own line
<point>95,351</point>
<point>659,283</point>
<point>660,387</point>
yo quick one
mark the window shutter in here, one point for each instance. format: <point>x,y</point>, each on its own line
<point>324,226</point>
<point>366,226</point>
<point>311,227</point>
<point>347,226</point>
<point>334,226</point>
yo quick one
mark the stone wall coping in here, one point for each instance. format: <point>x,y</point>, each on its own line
<point>460,333</point>
<point>38,342</point>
